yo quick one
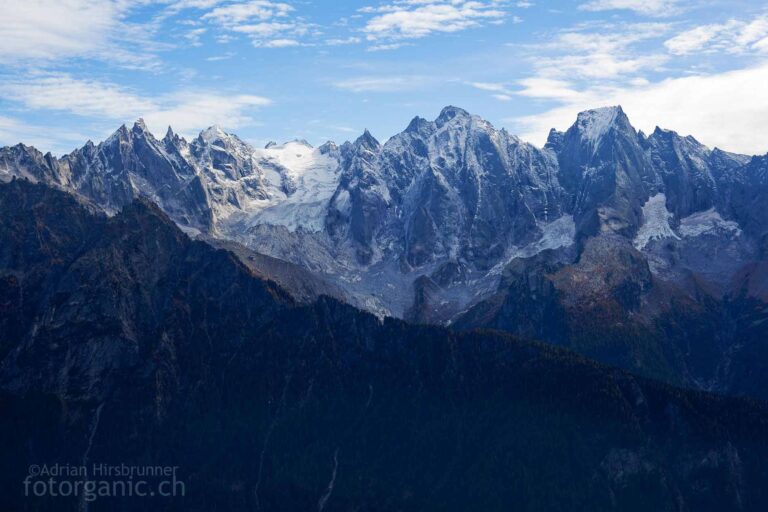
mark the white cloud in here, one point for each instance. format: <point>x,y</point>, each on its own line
<point>48,30</point>
<point>193,36</point>
<point>13,131</point>
<point>385,47</point>
<point>340,41</point>
<point>727,110</point>
<point>193,4</point>
<point>217,58</point>
<point>380,84</point>
<point>733,36</point>
<point>500,91</point>
<point>547,88</point>
<point>489,86</point>
<point>598,65</point>
<point>263,29</point>
<point>647,7</point>
<point>419,18</point>
<point>691,40</point>
<point>82,97</point>
<point>190,111</point>
<point>185,110</point>
<point>237,13</point>
<point>268,24</point>
<point>277,43</point>
<point>602,52</point>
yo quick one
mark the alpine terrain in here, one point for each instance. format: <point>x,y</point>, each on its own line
<point>647,252</point>
<point>126,342</point>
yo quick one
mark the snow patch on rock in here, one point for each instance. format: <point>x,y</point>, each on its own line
<point>655,222</point>
<point>556,234</point>
<point>705,223</point>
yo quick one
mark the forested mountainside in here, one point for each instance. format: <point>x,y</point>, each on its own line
<point>126,341</point>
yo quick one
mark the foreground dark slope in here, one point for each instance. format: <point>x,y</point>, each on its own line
<point>124,341</point>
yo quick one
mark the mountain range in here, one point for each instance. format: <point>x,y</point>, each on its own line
<point>124,341</point>
<point>646,252</point>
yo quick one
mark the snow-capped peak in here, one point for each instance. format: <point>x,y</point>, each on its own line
<point>302,142</point>
<point>121,134</point>
<point>449,113</point>
<point>213,133</point>
<point>594,124</point>
<point>367,141</point>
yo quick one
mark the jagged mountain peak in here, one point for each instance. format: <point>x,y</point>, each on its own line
<point>664,133</point>
<point>328,147</point>
<point>122,134</point>
<point>287,144</point>
<point>449,191</point>
<point>417,125</point>
<point>301,142</point>
<point>367,141</point>
<point>449,113</point>
<point>140,125</point>
<point>554,139</point>
<point>594,124</point>
<point>212,133</point>
<point>671,135</point>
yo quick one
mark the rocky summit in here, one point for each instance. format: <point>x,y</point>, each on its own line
<point>647,252</point>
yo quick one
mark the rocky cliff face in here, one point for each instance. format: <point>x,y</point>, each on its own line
<point>429,225</point>
<point>125,341</point>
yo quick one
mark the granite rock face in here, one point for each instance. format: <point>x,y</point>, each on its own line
<point>655,235</point>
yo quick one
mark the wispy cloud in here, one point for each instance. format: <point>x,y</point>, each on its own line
<point>600,52</point>
<point>733,36</point>
<point>342,40</point>
<point>14,131</point>
<point>49,30</point>
<point>656,8</point>
<point>490,86</point>
<point>79,96</point>
<point>413,19</point>
<point>241,12</point>
<point>500,91</point>
<point>268,24</point>
<point>188,111</point>
<point>380,83</point>
<point>193,36</point>
<point>185,110</point>
<point>387,46</point>
<point>277,43</point>
<point>217,58</point>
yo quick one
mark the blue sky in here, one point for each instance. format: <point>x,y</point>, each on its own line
<point>72,70</point>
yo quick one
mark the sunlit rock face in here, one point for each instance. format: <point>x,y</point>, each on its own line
<point>443,222</point>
